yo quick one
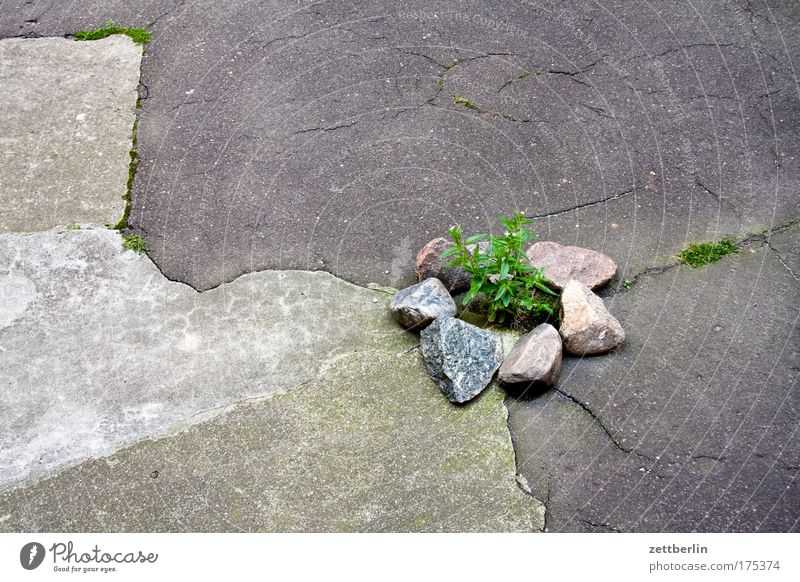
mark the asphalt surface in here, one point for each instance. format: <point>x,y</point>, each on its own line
<point>342,136</point>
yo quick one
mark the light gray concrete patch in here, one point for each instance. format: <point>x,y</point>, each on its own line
<point>371,445</point>
<point>98,349</point>
<point>66,113</point>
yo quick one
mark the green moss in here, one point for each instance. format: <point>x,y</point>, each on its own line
<point>133,165</point>
<point>73,226</point>
<point>699,254</point>
<point>137,35</point>
<point>460,100</point>
<point>451,65</point>
<point>134,242</point>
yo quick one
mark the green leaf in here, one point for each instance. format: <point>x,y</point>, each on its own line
<point>455,233</point>
<point>450,252</point>
<point>474,289</point>
<point>473,239</point>
<point>545,288</point>
<point>504,268</point>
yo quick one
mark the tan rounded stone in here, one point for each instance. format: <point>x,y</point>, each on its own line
<point>586,325</point>
<point>562,263</point>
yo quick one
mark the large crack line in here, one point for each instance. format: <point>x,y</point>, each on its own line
<point>603,526</point>
<point>762,237</point>
<point>587,204</point>
<point>600,423</point>
<point>518,475</point>
<point>718,198</point>
<point>546,72</point>
<point>782,261</point>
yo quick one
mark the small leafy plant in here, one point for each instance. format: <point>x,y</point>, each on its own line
<point>499,270</point>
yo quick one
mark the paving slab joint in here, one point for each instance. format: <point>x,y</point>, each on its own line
<point>520,480</point>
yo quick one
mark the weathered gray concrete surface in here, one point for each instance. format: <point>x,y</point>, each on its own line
<point>369,445</point>
<point>65,130</point>
<point>693,424</point>
<point>98,349</point>
<point>327,135</point>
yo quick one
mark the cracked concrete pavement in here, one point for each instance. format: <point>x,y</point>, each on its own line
<point>341,136</point>
<point>296,389</point>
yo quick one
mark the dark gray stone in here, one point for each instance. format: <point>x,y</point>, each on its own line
<point>536,358</point>
<point>460,357</point>
<point>420,304</point>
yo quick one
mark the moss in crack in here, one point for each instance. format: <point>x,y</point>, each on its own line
<point>451,65</point>
<point>133,165</point>
<point>134,242</point>
<point>700,254</point>
<point>461,100</point>
<point>138,35</point>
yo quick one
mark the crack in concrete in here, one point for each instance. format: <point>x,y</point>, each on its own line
<point>459,99</point>
<point>456,61</point>
<point>782,261</point>
<point>762,237</point>
<point>601,424</point>
<point>709,457</point>
<point>587,204</point>
<point>597,525</point>
<point>718,197</point>
<point>325,129</point>
<point>545,72</point>
<point>546,502</point>
<point>520,480</point>
<point>598,110</point>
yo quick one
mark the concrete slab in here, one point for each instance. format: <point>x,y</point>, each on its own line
<point>65,130</point>
<point>317,135</point>
<point>692,424</point>
<point>368,445</point>
<point>98,349</point>
<point>327,135</point>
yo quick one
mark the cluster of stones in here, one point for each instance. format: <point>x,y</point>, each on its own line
<point>463,358</point>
